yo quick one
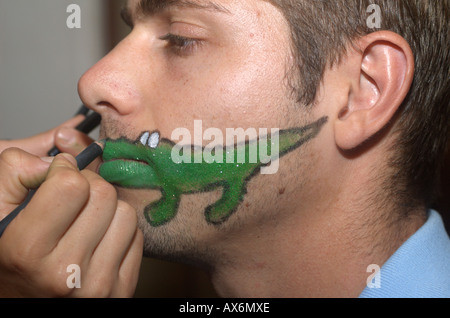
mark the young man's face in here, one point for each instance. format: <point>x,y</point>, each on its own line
<point>226,63</point>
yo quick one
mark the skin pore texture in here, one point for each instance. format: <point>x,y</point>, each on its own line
<point>312,228</point>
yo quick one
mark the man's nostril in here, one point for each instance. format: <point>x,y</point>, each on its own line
<point>103,105</point>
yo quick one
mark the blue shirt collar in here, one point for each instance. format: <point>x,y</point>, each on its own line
<point>420,268</point>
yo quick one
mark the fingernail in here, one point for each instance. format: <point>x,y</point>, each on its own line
<point>70,158</point>
<point>47,159</point>
<point>66,136</point>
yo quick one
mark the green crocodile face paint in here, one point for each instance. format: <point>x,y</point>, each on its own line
<point>147,163</point>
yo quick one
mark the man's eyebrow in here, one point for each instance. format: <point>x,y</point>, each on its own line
<point>151,7</point>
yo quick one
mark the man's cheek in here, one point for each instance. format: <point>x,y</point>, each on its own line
<point>177,170</point>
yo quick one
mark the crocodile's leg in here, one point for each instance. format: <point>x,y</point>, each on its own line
<point>233,194</point>
<point>163,210</point>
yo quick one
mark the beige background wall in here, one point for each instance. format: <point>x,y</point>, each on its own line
<point>41,61</point>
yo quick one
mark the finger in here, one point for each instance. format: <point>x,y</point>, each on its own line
<point>40,144</point>
<point>71,141</point>
<point>129,268</point>
<point>101,274</point>
<point>98,282</point>
<point>55,205</point>
<point>117,240</point>
<point>116,274</point>
<point>19,171</point>
<point>114,246</point>
<point>93,222</point>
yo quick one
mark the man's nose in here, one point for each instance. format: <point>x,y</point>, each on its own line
<point>110,87</point>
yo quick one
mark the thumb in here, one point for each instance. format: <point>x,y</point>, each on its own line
<point>72,141</point>
<point>19,172</point>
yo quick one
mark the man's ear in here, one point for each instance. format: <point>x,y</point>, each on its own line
<point>382,73</point>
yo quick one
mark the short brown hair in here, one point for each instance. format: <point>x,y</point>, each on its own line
<point>321,32</point>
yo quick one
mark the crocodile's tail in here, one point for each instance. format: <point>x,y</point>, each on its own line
<point>291,139</point>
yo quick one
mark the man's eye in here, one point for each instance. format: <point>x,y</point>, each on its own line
<point>180,45</point>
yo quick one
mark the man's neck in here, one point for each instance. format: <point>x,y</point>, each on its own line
<point>322,254</point>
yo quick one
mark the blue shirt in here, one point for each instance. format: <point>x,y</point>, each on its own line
<point>420,268</point>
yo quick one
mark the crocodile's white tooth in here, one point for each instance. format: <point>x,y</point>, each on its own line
<point>144,138</point>
<point>153,140</point>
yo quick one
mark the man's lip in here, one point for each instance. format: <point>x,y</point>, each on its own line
<point>124,166</point>
<point>127,173</point>
<point>125,160</point>
<point>100,162</point>
<point>113,152</point>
